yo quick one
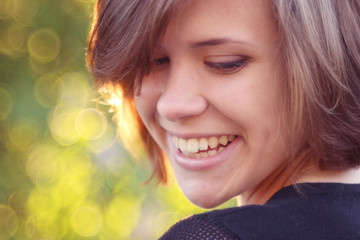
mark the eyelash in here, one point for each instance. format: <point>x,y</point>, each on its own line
<point>217,67</point>
<point>227,67</point>
<point>160,61</point>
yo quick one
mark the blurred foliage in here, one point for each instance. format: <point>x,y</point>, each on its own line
<point>63,172</point>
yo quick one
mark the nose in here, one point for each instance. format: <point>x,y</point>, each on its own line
<point>181,98</point>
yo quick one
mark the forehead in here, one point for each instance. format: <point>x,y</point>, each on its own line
<point>249,21</point>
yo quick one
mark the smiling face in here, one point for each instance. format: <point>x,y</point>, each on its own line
<point>212,100</point>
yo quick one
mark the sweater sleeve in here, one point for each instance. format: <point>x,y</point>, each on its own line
<point>198,227</point>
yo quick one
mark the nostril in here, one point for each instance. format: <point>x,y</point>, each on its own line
<point>176,108</point>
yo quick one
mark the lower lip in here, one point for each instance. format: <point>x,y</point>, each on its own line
<point>201,164</point>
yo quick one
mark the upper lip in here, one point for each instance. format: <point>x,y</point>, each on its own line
<point>198,135</point>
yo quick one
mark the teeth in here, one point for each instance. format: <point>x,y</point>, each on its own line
<point>221,149</point>
<point>183,145</point>
<point>203,144</point>
<point>203,147</point>
<point>213,142</point>
<point>192,145</point>
<point>212,153</point>
<point>223,140</point>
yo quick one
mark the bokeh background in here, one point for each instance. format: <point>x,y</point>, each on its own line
<point>64,173</point>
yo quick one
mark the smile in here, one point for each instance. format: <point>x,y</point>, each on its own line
<point>202,147</point>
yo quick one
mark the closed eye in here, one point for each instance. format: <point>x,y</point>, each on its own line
<point>226,65</point>
<point>162,60</point>
<point>160,63</point>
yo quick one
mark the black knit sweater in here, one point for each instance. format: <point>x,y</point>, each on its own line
<point>313,211</point>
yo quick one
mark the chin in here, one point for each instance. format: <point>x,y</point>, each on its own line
<point>203,191</point>
<point>204,200</point>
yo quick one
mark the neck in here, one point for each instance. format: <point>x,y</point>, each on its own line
<point>297,173</point>
<point>262,192</point>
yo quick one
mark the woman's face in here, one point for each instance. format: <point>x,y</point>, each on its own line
<point>213,99</point>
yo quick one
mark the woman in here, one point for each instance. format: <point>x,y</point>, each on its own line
<point>258,99</point>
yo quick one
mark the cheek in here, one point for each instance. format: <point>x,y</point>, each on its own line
<point>146,107</point>
<point>251,105</point>
<point>146,101</point>
<point>255,106</point>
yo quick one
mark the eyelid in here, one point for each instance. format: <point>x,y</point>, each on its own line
<point>225,64</point>
<point>224,58</point>
<point>159,62</point>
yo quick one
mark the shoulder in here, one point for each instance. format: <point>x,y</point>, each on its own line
<point>226,224</point>
<point>314,211</point>
<point>200,226</point>
<point>307,211</point>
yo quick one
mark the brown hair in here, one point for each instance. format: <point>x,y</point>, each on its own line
<point>321,49</point>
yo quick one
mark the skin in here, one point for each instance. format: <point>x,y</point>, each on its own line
<point>190,93</point>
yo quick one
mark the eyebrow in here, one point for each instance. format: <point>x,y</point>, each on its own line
<point>215,41</point>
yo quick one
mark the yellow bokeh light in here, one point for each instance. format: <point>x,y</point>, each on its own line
<point>41,166</point>
<point>62,126</point>
<point>123,211</point>
<point>86,221</point>
<point>44,220</point>
<point>27,227</point>
<point>65,193</point>
<point>18,198</point>
<point>38,203</point>
<point>23,134</point>
<point>105,142</point>
<point>23,10</point>
<point>74,178</point>
<point>44,68</point>
<point>30,227</point>
<point>91,124</point>
<point>44,45</point>
<point>12,40</point>
<point>46,91</point>
<point>74,90</point>
<point>16,36</point>
<point>47,225</point>
<point>9,222</point>
<point>6,104</point>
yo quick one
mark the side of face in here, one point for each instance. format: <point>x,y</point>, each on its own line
<point>212,99</point>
